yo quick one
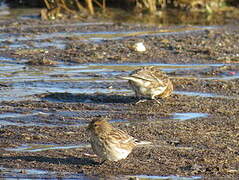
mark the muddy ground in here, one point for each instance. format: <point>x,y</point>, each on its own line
<point>207,147</point>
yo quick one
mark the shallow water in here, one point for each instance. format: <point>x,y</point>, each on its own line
<point>39,119</point>
<point>76,118</point>
<point>202,94</point>
<point>146,177</point>
<point>9,173</point>
<point>187,116</point>
<point>29,82</point>
<point>96,36</point>
<point>45,147</point>
<point>26,81</point>
<point>26,174</point>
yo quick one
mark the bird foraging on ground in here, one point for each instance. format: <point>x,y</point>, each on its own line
<point>150,82</point>
<point>111,143</point>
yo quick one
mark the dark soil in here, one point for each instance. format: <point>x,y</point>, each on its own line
<point>207,147</point>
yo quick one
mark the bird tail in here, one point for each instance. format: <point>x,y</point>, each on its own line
<point>142,143</point>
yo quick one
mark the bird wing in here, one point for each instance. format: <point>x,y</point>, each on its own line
<point>152,74</point>
<point>121,137</point>
<point>160,77</point>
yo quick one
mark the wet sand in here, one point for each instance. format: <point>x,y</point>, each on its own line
<point>203,144</point>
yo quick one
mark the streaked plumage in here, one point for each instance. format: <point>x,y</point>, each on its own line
<point>111,143</point>
<point>150,82</point>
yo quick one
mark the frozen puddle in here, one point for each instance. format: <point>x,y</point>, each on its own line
<point>45,147</point>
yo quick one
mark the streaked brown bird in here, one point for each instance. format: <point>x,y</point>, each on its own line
<point>150,81</point>
<point>111,143</point>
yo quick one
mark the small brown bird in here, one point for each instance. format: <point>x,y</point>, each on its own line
<point>111,143</point>
<point>150,82</point>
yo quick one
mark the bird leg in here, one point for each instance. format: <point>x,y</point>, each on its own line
<point>154,98</point>
<point>157,101</point>
<point>90,155</point>
<point>141,101</point>
<point>102,162</point>
<point>138,97</point>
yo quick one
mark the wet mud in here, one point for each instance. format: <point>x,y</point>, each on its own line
<point>57,76</point>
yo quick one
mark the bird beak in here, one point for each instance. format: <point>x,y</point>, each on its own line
<point>123,77</point>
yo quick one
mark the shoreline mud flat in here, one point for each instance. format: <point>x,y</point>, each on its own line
<point>56,77</point>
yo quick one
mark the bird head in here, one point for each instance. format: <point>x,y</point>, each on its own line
<point>98,126</point>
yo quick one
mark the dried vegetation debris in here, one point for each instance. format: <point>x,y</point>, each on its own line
<point>62,9</point>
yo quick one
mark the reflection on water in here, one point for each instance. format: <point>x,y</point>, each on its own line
<point>117,15</point>
<point>174,16</point>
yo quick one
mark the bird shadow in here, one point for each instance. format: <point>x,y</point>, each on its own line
<point>53,160</point>
<point>99,98</point>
